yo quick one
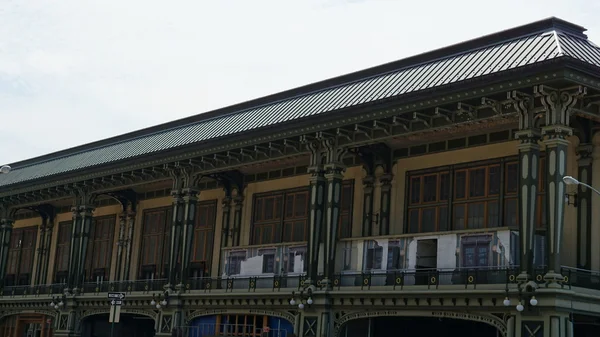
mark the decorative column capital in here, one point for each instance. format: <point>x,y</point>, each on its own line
<point>558,104</point>
<point>584,151</point>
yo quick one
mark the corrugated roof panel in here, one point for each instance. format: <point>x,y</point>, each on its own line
<point>454,68</point>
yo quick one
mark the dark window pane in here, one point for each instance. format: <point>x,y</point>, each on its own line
<point>477,183</point>
<point>415,190</point>
<point>512,178</point>
<point>494,180</point>
<point>476,215</point>
<point>492,214</point>
<point>428,220</point>
<point>413,221</point>
<point>443,218</point>
<point>430,188</point>
<point>510,213</point>
<point>459,217</point>
<point>460,184</point>
<point>444,186</point>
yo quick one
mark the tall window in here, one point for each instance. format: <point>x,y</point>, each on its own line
<point>20,256</point>
<point>203,238</point>
<point>281,216</point>
<point>100,244</point>
<point>155,243</point>
<point>471,196</point>
<point>61,265</point>
<point>345,226</point>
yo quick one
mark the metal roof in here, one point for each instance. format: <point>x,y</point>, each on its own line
<point>510,54</point>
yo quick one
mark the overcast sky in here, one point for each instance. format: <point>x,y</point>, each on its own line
<point>76,71</point>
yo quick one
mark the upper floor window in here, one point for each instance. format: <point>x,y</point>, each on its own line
<point>99,253</point>
<point>20,256</point>
<point>282,216</point>
<point>204,232</point>
<point>63,244</point>
<point>154,253</point>
<point>471,196</point>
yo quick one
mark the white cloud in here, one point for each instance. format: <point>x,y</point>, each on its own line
<point>75,71</point>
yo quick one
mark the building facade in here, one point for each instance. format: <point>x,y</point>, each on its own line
<point>426,195</point>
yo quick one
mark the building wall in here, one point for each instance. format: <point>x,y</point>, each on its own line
<point>400,170</point>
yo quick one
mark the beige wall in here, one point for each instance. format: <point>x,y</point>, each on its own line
<point>400,169</point>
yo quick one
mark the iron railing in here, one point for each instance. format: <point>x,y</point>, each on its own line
<point>431,278</point>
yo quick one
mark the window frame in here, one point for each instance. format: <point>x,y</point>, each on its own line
<point>93,271</point>
<point>61,275</point>
<point>19,278</point>
<point>158,269</point>
<point>501,199</point>
<point>197,266</point>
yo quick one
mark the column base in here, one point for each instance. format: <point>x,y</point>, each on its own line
<point>523,277</point>
<point>553,278</point>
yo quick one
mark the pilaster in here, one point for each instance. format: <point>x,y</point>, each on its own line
<point>225,229</point>
<point>80,232</point>
<point>546,324</point>
<point>584,209</point>
<point>386,201</point>
<point>367,224</point>
<point>529,153</point>
<point>176,228</point>
<point>129,242</point>
<point>42,251</point>
<point>86,215</point>
<point>69,324</point>
<point>318,184</point>
<point>45,262</point>
<point>238,203</point>
<point>121,243</point>
<point>191,201</point>
<point>557,105</point>
<point>6,227</point>
<point>334,174</point>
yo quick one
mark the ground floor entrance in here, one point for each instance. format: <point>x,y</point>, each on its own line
<point>26,325</point>
<point>416,327</point>
<point>129,326</point>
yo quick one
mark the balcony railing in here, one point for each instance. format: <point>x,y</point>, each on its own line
<point>379,280</point>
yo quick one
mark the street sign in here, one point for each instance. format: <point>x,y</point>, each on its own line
<point>117,296</point>
<point>266,329</point>
<point>116,302</point>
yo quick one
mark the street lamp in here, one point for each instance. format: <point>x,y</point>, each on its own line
<point>568,180</point>
<point>5,169</point>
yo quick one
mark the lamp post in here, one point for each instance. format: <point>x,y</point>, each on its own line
<point>5,169</point>
<point>568,180</point>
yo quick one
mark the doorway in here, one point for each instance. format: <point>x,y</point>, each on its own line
<point>426,260</point>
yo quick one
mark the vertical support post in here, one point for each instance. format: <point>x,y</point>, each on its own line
<point>41,250</point>
<point>557,105</point>
<point>529,154</point>
<point>74,255</point>
<point>367,224</point>
<point>129,240</point>
<point>225,228</point>
<point>6,227</point>
<point>334,174</point>
<point>584,209</point>
<point>191,203</point>
<point>238,200</point>
<point>121,241</point>
<point>386,200</point>
<point>46,260</point>
<point>86,215</point>
<point>317,196</point>
<point>177,224</point>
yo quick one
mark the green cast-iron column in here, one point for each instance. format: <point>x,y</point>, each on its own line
<point>386,201</point>
<point>367,221</point>
<point>121,241</point>
<point>584,209</point>
<point>238,203</point>
<point>529,161</point>
<point>6,227</point>
<point>317,205</point>
<point>41,250</point>
<point>74,255</point>
<point>129,241</point>
<point>557,105</point>
<point>225,232</point>
<point>176,227</point>
<point>190,199</point>
<point>86,216</point>
<point>334,174</point>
